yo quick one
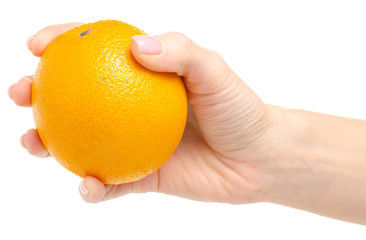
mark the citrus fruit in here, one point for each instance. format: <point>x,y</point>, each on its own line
<point>99,112</point>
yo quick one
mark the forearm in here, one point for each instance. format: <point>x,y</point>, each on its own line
<point>320,163</point>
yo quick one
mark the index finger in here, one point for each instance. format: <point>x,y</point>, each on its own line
<point>38,42</point>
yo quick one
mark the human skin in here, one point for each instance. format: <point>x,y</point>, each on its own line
<point>235,149</point>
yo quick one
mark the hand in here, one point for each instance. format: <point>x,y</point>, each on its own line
<point>227,132</point>
<point>235,149</point>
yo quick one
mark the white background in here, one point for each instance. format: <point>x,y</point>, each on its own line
<point>299,54</point>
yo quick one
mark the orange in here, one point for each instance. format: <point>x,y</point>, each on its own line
<point>99,112</point>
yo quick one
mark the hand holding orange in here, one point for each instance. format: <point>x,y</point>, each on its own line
<point>99,112</point>
<point>227,124</point>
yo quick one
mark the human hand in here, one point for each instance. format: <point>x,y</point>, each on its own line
<point>235,149</point>
<point>228,131</point>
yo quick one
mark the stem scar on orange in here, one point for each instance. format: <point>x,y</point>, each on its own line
<point>99,112</point>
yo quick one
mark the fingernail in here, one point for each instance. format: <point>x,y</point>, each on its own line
<point>27,78</point>
<point>82,188</point>
<point>29,41</point>
<point>147,44</point>
<point>22,141</point>
<point>10,91</point>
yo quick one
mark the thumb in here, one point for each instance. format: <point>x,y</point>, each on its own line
<point>204,70</point>
<point>226,109</point>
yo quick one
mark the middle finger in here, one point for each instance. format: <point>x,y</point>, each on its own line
<point>21,91</point>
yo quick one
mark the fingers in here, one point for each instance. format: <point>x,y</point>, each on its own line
<point>204,70</point>
<point>32,142</point>
<point>92,190</point>
<point>20,92</point>
<point>38,42</point>
<point>226,109</point>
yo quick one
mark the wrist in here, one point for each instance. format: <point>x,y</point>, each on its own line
<point>316,162</point>
<point>282,166</point>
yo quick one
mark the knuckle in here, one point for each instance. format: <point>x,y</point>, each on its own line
<point>214,55</point>
<point>183,42</point>
<point>181,49</point>
<point>46,29</point>
<point>186,43</point>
